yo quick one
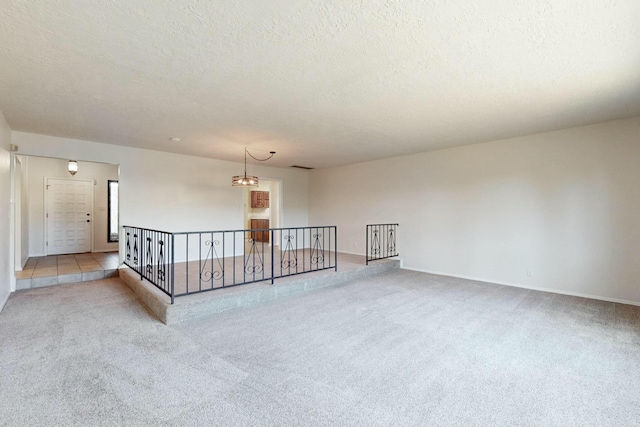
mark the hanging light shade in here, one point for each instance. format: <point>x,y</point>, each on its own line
<point>245,181</point>
<point>248,180</point>
<point>72,167</point>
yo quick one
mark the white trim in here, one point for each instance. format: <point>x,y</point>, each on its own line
<point>23,263</point>
<point>12,226</point>
<point>350,253</point>
<point>533,288</point>
<point>3,303</point>
<point>105,250</point>
<point>399,258</point>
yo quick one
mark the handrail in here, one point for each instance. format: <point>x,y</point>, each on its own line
<point>252,229</point>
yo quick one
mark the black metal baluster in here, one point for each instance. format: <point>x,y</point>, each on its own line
<point>135,250</point>
<point>273,255</point>
<point>223,256</point>
<point>186,250</point>
<point>128,246</point>
<point>329,246</point>
<point>161,275</point>
<point>173,269</point>
<point>209,257</point>
<point>335,253</point>
<point>324,237</point>
<point>366,249</point>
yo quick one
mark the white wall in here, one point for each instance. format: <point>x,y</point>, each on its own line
<point>40,168</point>
<point>563,205</point>
<point>6,269</point>
<point>174,192</point>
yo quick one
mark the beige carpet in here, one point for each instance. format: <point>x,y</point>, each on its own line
<point>403,349</point>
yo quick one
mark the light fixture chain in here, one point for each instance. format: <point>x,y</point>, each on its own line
<point>255,158</point>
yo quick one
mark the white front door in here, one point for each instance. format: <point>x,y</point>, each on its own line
<point>69,216</point>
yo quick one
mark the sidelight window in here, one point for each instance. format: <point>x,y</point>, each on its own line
<point>112,221</point>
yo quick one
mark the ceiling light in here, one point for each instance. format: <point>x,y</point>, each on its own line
<point>248,180</point>
<point>72,167</point>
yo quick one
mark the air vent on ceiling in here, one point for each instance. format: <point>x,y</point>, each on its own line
<point>302,167</point>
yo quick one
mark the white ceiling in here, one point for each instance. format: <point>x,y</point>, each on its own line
<point>323,83</point>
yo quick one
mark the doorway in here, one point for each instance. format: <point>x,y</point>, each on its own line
<point>263,208</point>
<point>36,233</point>
<point>68,216</point>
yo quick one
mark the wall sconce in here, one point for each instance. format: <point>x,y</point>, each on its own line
<point>72,167</point>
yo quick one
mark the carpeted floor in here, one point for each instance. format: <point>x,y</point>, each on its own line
<point>403,349</point>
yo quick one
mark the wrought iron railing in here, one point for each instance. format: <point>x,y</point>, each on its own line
<point>381,241</point>
<point>186,263</point>
<point>150,254</point>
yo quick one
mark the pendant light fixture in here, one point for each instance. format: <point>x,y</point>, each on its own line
<point>72,167</point>
<point>248,180</point>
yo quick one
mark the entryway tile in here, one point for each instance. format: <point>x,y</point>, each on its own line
<point>62,269</point>
<point>69,269</point>
<point>24,274</point>
<point>45,272</point>
<point>90,267</point>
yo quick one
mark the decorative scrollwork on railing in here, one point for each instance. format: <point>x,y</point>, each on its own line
<point>253,268</point>
<point>317,250</point>
<point>149,257</point>
<point>208,273</point>
<point>128,248</point>
<point>375,242</point>
<point>135,249</point>
<point>391,240</point>
<point>161,266</point>
<point>381,241</point>
<point>288,257</point>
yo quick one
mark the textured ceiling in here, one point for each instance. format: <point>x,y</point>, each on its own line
<point>323,83</point>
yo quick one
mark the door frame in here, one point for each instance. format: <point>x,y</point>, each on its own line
<point>46,210</point>
<point>17,213</point>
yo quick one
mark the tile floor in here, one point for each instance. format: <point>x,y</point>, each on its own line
<point>60,269</point>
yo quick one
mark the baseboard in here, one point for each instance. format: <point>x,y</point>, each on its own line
<point>349,253</point>
<point>533,288</point>
<point>104,250</point>
<point>364,255</point>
